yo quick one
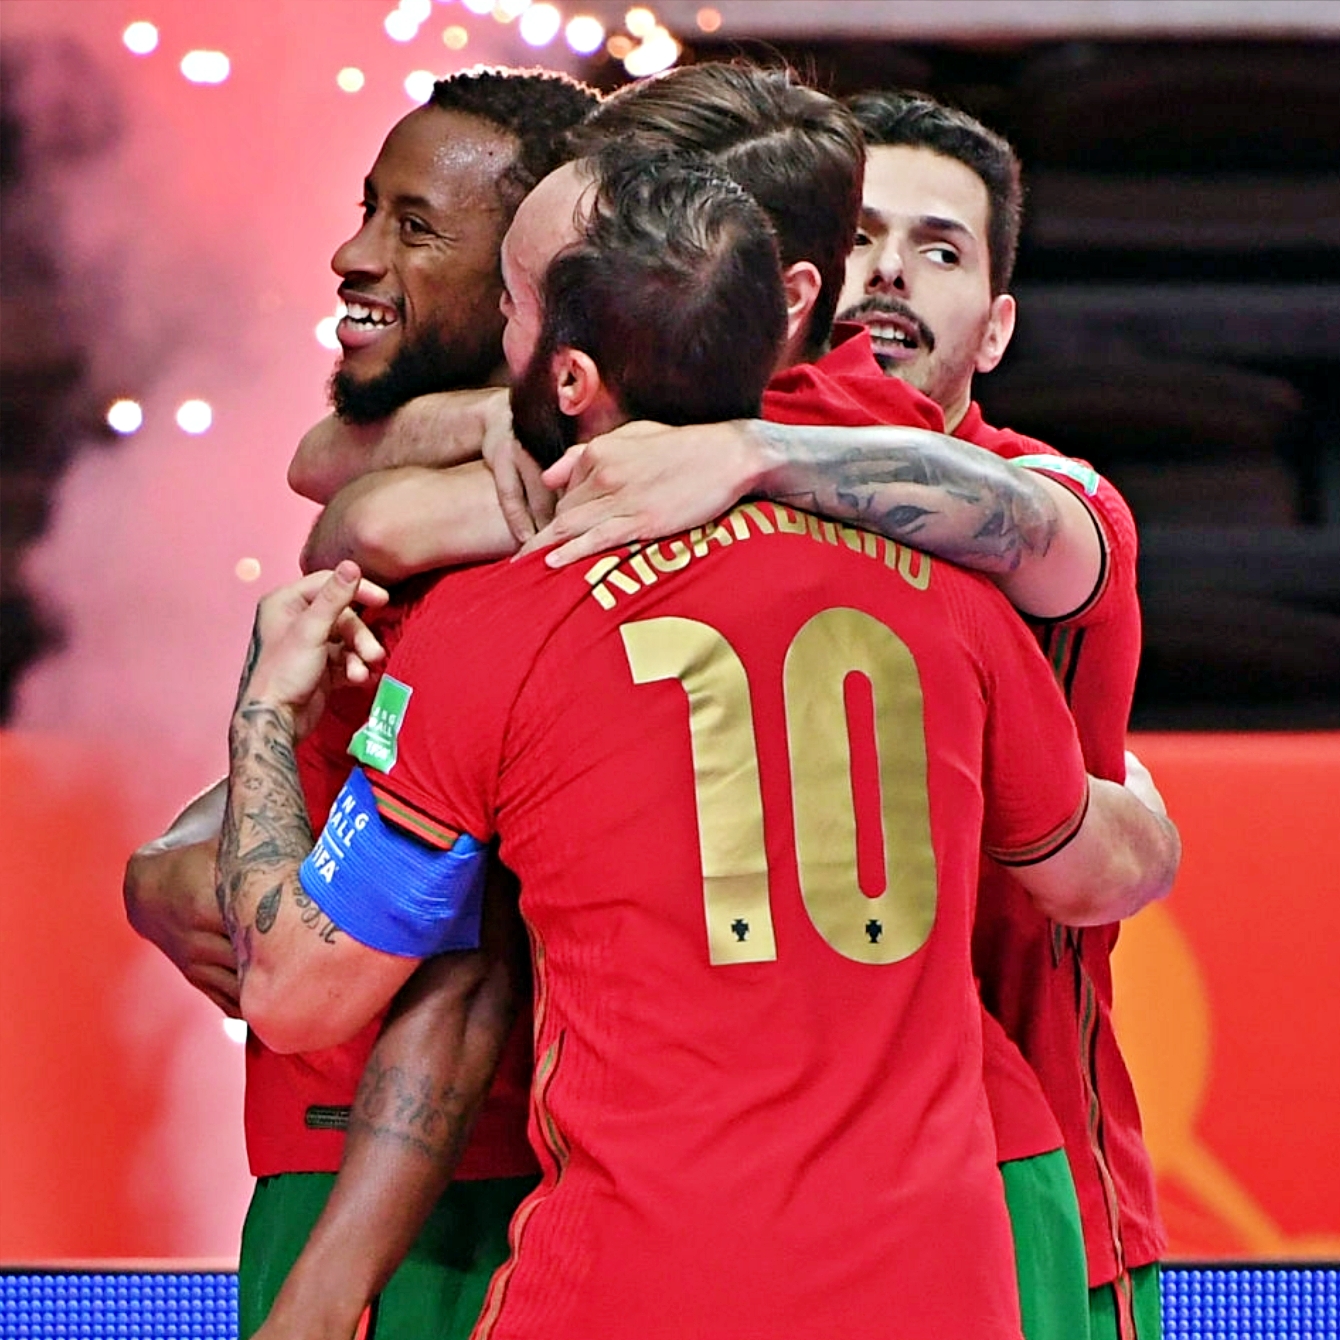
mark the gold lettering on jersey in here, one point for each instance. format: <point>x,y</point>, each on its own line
<point>895,924</point>
<point>727,790</point>
<point>700,537</point>
<point>788,521</point>
<point>914,567</point>
<point>820,529</point>
<point>678,557</point>
<point>611,576</point>
<point>746,512</point>
<point>637,561</point>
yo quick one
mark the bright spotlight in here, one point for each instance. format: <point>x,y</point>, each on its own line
<point>205,67</point>
<point>325,333</point>
<point>658,52</point>
<point>140,37</point>
<point>419,85</point>
<point>539,25</point>
<point>400,26</point>
<point>194,416</point>
<point>640,21</point>
<point>585,34</point>
<point>125,416</point>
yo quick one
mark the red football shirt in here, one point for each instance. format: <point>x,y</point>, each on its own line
<point>848,388</point>
<point>296,1105</point>
<point>1052,987</point>
<point>740,775</point>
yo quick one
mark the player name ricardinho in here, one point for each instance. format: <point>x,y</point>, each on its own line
<point>647,564</point>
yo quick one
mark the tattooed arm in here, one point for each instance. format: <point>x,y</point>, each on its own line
<point>1030,534</point>
<point>421,1089</point>
<point>303,985</point>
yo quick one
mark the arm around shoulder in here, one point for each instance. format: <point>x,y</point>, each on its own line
<point>401,522</point>
<point>1123,856</point>
<point>168,891</point>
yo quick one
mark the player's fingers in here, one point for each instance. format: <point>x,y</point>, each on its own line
<point>605,535</point>
<point>559,476</point>
<point>213,952</point>
<point>357,637</point>
<point>220,986</point>
<point>511,489</point>
<point>540,499</point>
<point>355,670</point>
<point>322,617</point>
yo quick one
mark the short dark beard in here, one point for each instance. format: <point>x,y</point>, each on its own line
<point>537,422</point>
<point>421,368</point>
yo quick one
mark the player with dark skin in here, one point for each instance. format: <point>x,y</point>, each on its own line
<point>421,287</point>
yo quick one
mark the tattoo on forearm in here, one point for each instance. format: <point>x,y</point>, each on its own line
<point>265,834</point>
<point>950,498</point>
<point>399,1105</point>
<point>249,665</point>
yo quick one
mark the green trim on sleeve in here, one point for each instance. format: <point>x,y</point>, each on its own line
<point>1083,475</point>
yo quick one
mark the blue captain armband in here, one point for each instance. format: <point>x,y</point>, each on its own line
<point>392,891</point>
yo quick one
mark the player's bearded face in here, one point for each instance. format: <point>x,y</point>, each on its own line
<point>538,422</point>
<point>420,366</point>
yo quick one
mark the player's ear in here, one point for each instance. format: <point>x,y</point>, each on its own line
<point>999,329</point>
<point>801,282</point>
<point>576,380</point>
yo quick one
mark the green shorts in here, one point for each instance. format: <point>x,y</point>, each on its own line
<point>1048,1247</point>
<point>439,1287</point>
<point>1137,1296</point>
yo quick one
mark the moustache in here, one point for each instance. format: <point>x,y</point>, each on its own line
<point>892,307</point>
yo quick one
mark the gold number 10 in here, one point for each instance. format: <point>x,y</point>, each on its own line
<point>729,798</point>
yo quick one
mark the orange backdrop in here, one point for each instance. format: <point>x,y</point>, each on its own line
<point>120,1129</point>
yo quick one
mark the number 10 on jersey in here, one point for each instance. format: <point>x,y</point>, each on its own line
<point>729,797</point>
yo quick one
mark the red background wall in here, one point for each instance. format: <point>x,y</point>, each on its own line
<point>120,1133</point>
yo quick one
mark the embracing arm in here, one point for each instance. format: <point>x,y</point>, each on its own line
<point>396,523</point>
<point>168,891</point>
<point>1124,855</point>
<point>422,1087</point>
<point>433,430</point>
<point>957,501</point>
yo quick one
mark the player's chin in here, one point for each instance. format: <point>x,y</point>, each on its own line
<point>364,364</point>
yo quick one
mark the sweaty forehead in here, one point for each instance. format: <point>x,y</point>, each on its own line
<point>905,183</point>
<point>448,160</point>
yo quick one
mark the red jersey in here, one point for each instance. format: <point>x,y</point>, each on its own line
<point>296,1107</point>
<point>744,777</point>
<point>1050,986</point>
<point>848,388</point>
